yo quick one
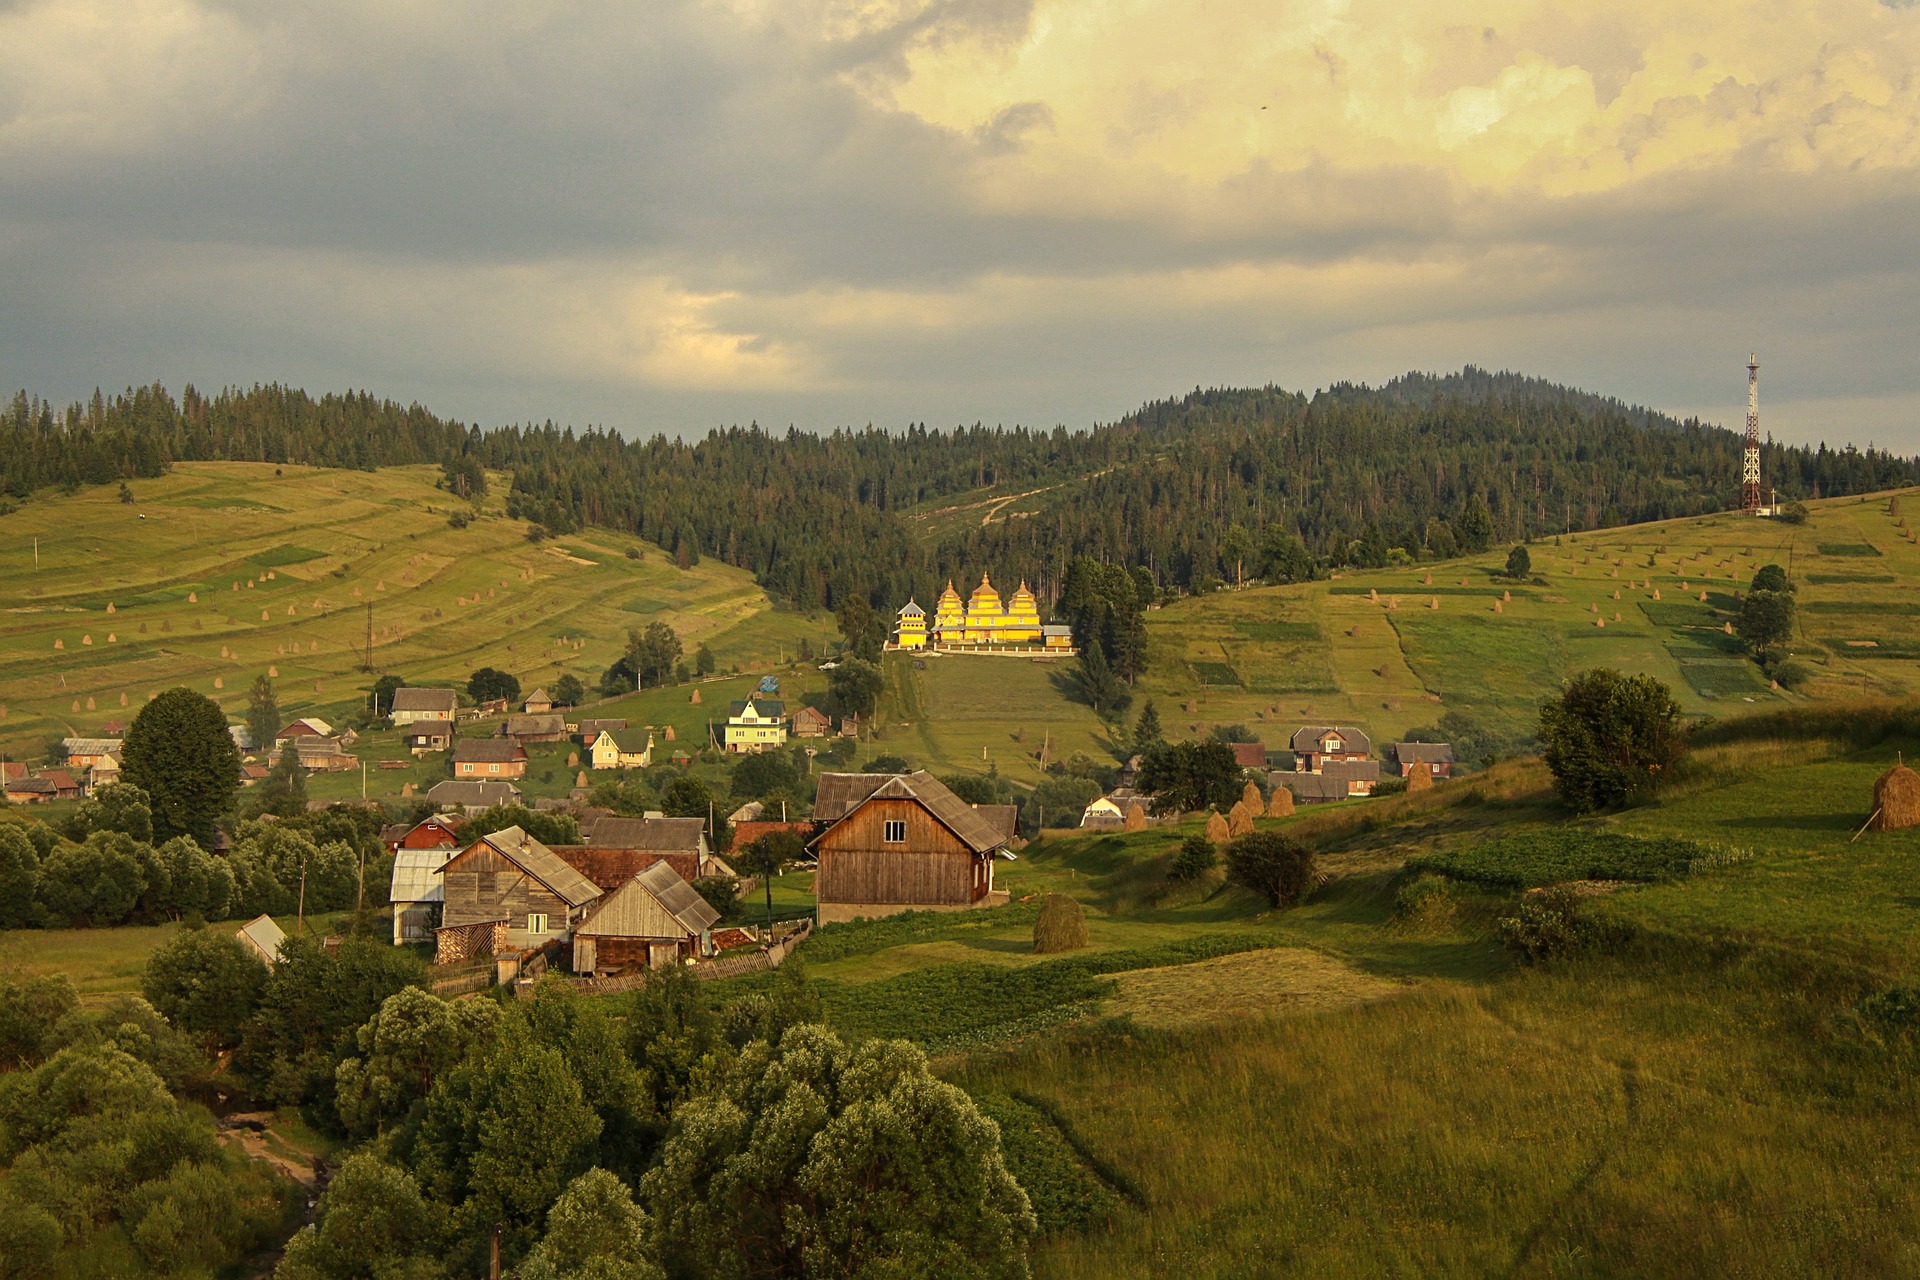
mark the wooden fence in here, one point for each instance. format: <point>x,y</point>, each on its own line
<point>770,957</point>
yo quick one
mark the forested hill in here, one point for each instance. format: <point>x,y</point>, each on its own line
<point>1196,489</point>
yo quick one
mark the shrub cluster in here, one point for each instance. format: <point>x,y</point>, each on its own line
<point>1552,924</point>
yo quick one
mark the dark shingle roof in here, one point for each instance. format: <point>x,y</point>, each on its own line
<point>768,708</point>
<point>544,865</point>
<point>488,751</point>
<point>475,792</point>
<point>517,726</point>
<point>1352,770</point>
<point>1308,738</point>
<point>1314,786</point>
<point>1423,752</point>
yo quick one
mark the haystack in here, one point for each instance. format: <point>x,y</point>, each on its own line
<point>1896,800</point>
<point>667,733</point>
<point>1062,925</point>
<point>1217,828</point>
<point>1280,804</point>
<point>695,697</point>
<point>1240,820</point>
<point>1136,817</point>
<point>1250,796</point>
<point>1420,777</point>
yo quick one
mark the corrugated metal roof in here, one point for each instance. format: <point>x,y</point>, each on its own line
<point>694,912</point>
<point>91,746</point>
<point>611,868</point>
<point>1352,770</point>
<point>524,725</point>
<point>416,875</point>
<point>424,700</point>
<point>544,865</point>
<point>264,934</point>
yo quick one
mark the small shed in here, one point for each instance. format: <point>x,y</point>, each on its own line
<point>417,892</point>
<point>538,703</point>
<point>811,722</point>
<point>263,938</point>
<point>655,919</point>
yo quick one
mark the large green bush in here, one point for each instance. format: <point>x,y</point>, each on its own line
<point>1609,738</point>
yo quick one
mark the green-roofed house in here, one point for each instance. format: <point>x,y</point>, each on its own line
<point>621,748</point>
<point>758,723</point>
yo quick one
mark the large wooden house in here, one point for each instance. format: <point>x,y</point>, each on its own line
<point>410,705</point>
<point>654,918</point>
<point>621,749</point>
<point>902,842</point>
<point>508,890</point>
<point>489,758</point>
<point>1317,745</point>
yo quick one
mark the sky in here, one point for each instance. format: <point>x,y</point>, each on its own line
<point>679,214</point>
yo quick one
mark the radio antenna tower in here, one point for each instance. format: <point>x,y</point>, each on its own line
<point>1750,463</point>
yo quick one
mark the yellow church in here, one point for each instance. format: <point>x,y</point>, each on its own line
<point>981,622</point>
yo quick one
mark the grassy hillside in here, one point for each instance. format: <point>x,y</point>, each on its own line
<point>1353,1087</point>
<point>240,569</point>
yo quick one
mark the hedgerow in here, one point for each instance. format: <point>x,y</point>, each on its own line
<point>1559,854</point>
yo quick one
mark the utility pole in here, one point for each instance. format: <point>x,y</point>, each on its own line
<point>368,666</point>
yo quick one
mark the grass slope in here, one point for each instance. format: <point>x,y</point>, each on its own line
<point>239,568</point>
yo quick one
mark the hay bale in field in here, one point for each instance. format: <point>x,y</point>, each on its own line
<point>1896,800</point>
<point>1250,796</point>
<point>1217,830</point>
<point>669,733</point>
<point>1420,777</point>
<point>1280,803</point>
<point>1061,926</point>
<point>1136,819</point>
<point>696,696</point>
<point>1240,821</point>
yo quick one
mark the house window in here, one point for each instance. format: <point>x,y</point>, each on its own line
<point>493,768</point>
<point>536,923</point>
<point>895,833</point>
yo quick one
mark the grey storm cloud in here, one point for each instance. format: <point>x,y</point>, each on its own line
<point>671,216</point>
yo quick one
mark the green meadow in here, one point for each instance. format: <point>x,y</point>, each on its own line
<point>1363,1086</point>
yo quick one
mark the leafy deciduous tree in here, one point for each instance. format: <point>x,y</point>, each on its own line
<point>1609,737</point>
<point>179,752</point>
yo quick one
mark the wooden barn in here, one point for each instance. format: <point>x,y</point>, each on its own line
<point>654,918</point>
<point>511,879</point>
<point>901,842</point>
<point>1437,756</point>
<point>416,893</point>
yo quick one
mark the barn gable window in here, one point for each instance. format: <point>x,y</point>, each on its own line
<point>536,922</point>
<point>895,832</point>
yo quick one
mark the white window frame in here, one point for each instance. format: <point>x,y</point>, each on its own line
<point>493,768</point>
<point>890,827</point>
<point>536,922</point>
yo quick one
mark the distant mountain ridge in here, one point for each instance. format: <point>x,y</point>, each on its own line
<point>1193,489</point>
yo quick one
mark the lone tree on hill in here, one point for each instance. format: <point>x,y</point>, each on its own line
<point>1146,730</point>
<point>1609,737</point>
<point>1770,577</point>
<point>263,714</point>
<point>652,653</point>
<point>1275,866</point>
<point>1097,684</point>
<point>1519,563</point>
<point>488,684</point>
<point>179,752</point>
<point>379,698</point>
<point>568,691</point>
<point>767,857</point>
<point>703,661</point>
<point>1765,621</point>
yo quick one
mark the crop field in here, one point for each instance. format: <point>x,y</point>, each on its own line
<point>223,571</point>
<point>1393,648</point>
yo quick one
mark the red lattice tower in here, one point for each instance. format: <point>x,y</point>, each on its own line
<point>1750,462</point>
